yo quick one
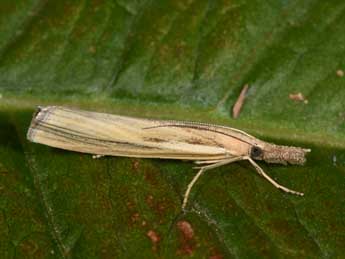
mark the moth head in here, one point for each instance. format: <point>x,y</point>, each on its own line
<point>271,153</point>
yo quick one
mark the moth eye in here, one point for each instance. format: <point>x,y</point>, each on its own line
<point>255,152</point>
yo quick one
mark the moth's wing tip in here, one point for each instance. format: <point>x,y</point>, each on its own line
<point>40,108</point>
<point>39,116</point>
<point>30,135</point>
<point>31,132</point>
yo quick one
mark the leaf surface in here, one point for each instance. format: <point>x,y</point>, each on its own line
<point>184,60</point>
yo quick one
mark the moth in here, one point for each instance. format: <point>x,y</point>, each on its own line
<point>208,145</point>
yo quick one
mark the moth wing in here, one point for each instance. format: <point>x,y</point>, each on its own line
<point>106,134</point>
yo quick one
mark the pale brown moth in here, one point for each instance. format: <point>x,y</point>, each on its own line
<point>208,145</point>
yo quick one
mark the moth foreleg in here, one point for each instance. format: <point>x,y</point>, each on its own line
<point>277,185</point>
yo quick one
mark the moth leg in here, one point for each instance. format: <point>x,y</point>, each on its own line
<point>97,156</point>
<point>189,188</point>
<point>201,171</point>
<point>200,162</point>
<point>220,163</point>
<point>277,185</point>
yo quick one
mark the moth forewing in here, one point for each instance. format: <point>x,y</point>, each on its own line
<point>105,134</point>
<point>208,145</point>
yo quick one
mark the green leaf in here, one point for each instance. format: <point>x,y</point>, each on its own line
<point>184,60</point>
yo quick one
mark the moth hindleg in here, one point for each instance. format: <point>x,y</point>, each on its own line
<point>201,171</point>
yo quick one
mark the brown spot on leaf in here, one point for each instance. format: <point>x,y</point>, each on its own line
<point>92,49</point>
<point>187,242</point>
<point>97,3</point>
<point>282,227</point>
<point>159,207</point>
<point>186,250</point>
<point>130,205</point>
<point>186,229</point>
<point>340,73</point>
<point>28,247</point>
<point>151,177</point>
<point>217,256</point>
<point>298,97</point>
<point>135,164</point>
<point>154,237</point>
<point>149,200</point>
<point>135,217</point>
